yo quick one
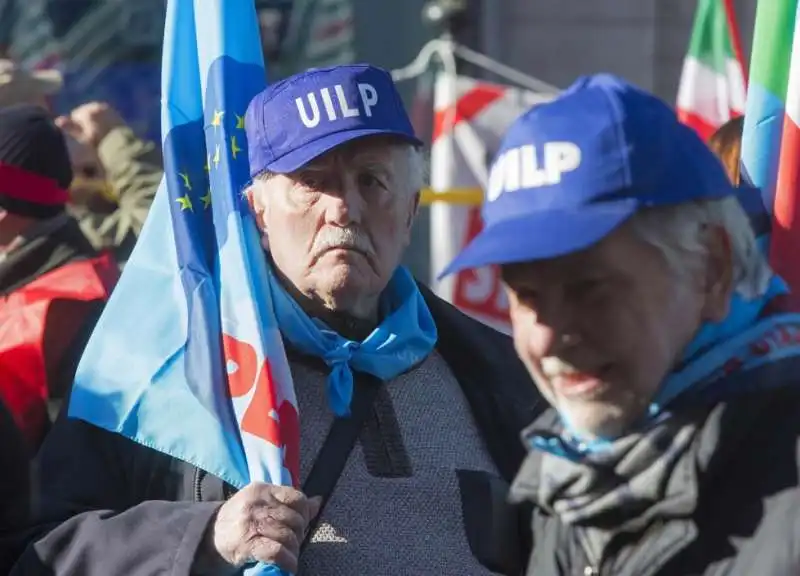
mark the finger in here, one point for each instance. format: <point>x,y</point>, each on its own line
<point>288,496</point>
<point>278,532</point>
<point>271,552</point>
<point>66,124</point>
<point>297,501</point>
<point>309,508</point>
<point>282,515</point>
<point>254,495</point>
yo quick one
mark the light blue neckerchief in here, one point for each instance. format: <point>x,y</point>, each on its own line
<point>405,337</point>
<point>713,345</point>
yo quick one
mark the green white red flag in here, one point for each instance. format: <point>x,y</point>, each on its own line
<point>712,88</point>
<point>771,133</point>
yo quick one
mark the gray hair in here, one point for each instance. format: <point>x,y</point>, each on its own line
<point>679,233</point>
<point>416,170</point>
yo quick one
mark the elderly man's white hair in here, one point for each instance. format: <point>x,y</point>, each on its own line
<point>678,231</point>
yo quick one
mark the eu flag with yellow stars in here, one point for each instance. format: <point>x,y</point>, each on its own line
<point>186,358</point>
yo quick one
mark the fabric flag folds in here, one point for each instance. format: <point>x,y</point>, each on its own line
<point>470,117</point>
<point>187,357</point>
<point>771,139</point>
<point>712,87</point>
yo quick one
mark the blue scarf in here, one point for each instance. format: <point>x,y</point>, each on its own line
<point>701,368</point>
<point>405,337</point>
<point>716,343</point>
<point>630,477</point>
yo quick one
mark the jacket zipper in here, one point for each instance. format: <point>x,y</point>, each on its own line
<point>198,492</point>
<point>199,474</point>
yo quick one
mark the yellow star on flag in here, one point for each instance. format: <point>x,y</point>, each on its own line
<point>185,177</point>
<point>208,163</point>
<point>239,121</point>
<point>216,157</point>
<point>206,199</point>
<point>234,148</point>
<point>185,202</point>
<point>216,122</point>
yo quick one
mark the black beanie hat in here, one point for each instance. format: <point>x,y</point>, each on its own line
<point>35,168</point>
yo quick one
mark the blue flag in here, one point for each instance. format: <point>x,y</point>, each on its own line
<point>187,357</point>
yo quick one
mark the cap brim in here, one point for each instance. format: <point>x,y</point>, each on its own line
<point>298,158</point>
<point>542,235</point>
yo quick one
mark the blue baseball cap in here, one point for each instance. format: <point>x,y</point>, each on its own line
<point>301,117</point>
<point>570,171</point>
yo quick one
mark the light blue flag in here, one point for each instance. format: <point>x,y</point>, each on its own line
<point>187,357</point>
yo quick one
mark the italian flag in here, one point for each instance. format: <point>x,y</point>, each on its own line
<point>771,134</point>
<point>712,88</point>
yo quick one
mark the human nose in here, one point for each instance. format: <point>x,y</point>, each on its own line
<point>553,327</point>
<point>346,206</point>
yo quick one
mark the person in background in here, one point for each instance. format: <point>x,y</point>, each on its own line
<point>726,143</point>
<point>53,284</point>
<point>650,320</point>
<point>117,176</point>
<point>116,173</point>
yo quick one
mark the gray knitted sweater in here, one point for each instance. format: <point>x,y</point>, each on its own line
<point>396,509</point>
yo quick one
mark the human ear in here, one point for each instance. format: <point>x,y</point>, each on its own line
<point>413,210</point>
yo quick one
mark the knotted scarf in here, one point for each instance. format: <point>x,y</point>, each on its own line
<point>405,336</point>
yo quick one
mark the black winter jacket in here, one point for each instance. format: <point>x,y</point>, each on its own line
<point>111,506</point>
<point>746,520</point>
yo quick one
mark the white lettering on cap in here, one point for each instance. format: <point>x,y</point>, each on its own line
<point>519,169</point>
<point>301,108</point>
<point>311,117</point>
<point>560,158</point>
<point>369,98</point>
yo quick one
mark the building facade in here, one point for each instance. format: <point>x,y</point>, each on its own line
<point>556,40</point>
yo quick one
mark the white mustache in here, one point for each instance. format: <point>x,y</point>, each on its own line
<point>351,238</point>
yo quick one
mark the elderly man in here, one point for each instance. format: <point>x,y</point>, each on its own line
<point>412,480</point>
<point>650,321</point>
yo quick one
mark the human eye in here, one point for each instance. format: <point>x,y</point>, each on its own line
<point>306,189</point>
<point>368,179</point>
<point>310,180</point>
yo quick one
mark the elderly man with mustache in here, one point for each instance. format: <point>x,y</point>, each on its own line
<point>649,319</point>
<point>420,486</point>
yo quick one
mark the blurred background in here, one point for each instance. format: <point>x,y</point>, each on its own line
<point>109,50</point>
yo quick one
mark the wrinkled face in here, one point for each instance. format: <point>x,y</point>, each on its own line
<point>337,228</point>
<point>598,330</point>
